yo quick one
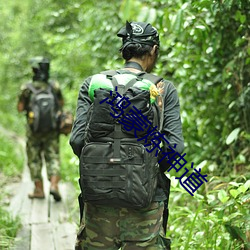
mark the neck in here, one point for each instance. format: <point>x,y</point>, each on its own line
<point>133,65</point>
<point>142,64</point>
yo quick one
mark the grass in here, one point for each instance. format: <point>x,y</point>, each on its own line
<point>11,160</point>
<point>11,156</point>
<point>8,229</point>
<point>215,219</point>
<point>69,162</point>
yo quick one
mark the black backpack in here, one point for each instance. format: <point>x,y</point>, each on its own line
<point>115,168</point>
<point>43,109</point>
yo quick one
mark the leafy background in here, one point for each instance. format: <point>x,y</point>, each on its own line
<point>205,52</point>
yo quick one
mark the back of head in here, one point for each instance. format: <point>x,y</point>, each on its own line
<point>40,67</point>
<point>138,38</point>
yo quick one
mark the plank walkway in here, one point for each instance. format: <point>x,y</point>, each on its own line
<point>46,224</point>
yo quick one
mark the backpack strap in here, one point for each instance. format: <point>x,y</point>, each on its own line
<point>52,89</point>
<point>121,88</point>
<point>117,134</point>
<point>155,79</point>
<point>32,88</point>
<point>35,90</point>
<point>117,131</point>
<point>109,73</point>
<point>152,78</point>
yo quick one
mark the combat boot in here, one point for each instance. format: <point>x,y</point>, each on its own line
<point>38,191</point>
<point>54,179</point>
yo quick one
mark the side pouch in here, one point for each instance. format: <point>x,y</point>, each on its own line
<point>65,121</point>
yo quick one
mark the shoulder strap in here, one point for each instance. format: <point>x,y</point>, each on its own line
<point>35,91</point>
<point>153,78</point>
<point>32,88</point>
<point>121,88</point>
<point>109,73</point>
<point>51,85</point>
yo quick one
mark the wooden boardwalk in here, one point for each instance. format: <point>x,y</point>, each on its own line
<point>46,224</point>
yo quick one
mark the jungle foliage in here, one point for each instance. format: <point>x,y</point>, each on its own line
<point>205,52</point>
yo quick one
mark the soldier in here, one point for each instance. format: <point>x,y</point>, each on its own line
<point>42,132</point>
<point>110,226</point>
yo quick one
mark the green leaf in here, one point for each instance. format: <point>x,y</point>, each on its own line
<point>174,182</point>
<point>177,25</point>
<point>245,199</point>
<point>235,232</point>
<point>233,136</point>
<point>247,184</point>
<point>242,189</point>
<point>248,61</point>
<point>125,9</point>
<point>234,192</point>
<point>233,215</point>
<point>235,184</point>
<point>222,195</point>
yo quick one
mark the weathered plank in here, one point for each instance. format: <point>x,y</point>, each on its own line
<point>24,212</point>
<point>64,235</point>
<point>39,211</point>
<point>20,193</point>
<point>61,211</point>
<point>45,222</point>
<point>22,240</point>
<point>42,237</point>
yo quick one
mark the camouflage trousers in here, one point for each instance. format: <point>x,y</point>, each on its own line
<point>43,149</point>
<point>122,228</point>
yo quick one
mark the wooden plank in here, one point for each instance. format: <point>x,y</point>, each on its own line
<point>39,211</point>
<point>58,211</point>
<point>24,212</point>
<point>60,214</point>
<point>22,240</point>
<point>71,202</point>
<point>62,211</point>
<point>26,173</point>
<point>16,202</point>
<point>45,222</point>
<point>64,235</point>
<point>42,237</point>
<point>20,196</point>
<point>70,196</point>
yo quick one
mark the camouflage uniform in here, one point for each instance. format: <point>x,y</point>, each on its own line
<point>107,228</point>
<point>39,145</point>
<point>49,145</point>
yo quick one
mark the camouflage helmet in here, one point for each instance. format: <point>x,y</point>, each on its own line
<point>40,66</point>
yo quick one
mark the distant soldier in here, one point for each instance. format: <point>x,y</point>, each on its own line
<point>42,101</point>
